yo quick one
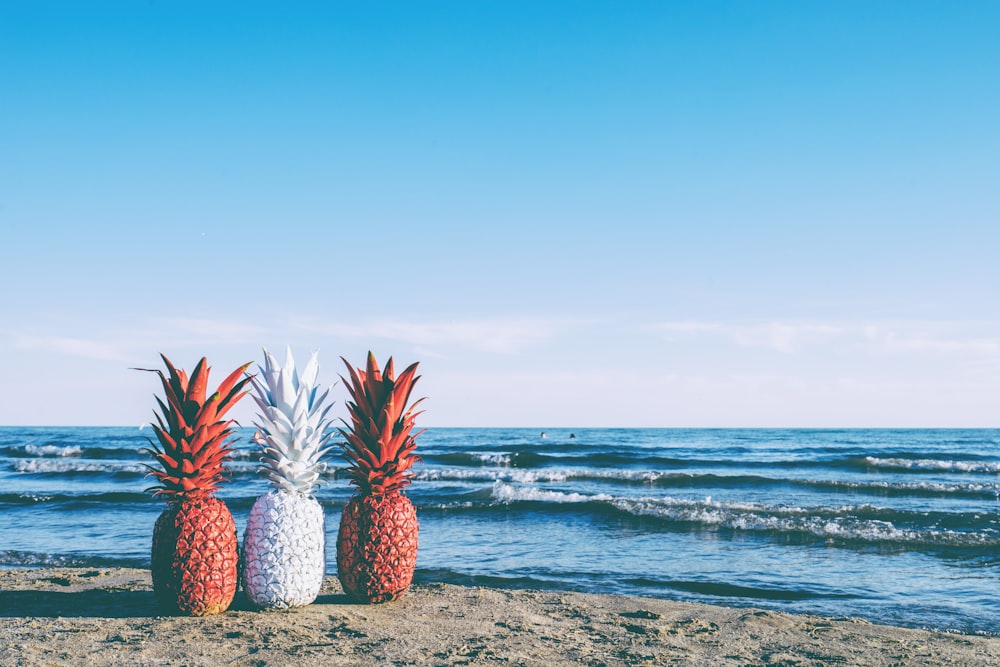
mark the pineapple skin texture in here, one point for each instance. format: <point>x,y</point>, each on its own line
<point>377,547</point>
<point>284,550</point>
<point>195,555</point>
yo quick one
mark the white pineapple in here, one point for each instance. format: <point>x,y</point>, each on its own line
<point>284,547</point>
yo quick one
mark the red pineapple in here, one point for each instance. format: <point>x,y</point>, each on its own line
<point>194,559</point>
<point>377,541</point>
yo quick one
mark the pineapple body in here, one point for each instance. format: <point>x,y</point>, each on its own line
<point>377,546</point>
<point>284,550</point>
<point>194,556</point>
<point>377,540</point>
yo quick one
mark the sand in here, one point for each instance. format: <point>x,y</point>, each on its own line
<point>110,617</point>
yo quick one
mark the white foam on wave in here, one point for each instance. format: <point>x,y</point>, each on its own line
<point>496,458</point>
<point>935,487</point>
<point>243,467</point>
<point>35,497</point>
<point>840,523</point>
<point>934,464</point>
<point>533,476</point>
<point>624,475</point>
<point>245,454</point>
<point>830,523</point>
<point>53,450</point>
<point>61,466</point>
<point>491,475</point>
<point>508,493</point>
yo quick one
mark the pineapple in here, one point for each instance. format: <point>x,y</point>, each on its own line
<point>194,556</point>
<point>284,546</point>
<point>377,541</point>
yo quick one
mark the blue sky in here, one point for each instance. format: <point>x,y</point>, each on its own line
<point>572,214</point>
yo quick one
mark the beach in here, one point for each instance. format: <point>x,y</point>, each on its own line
<point>108,616</point>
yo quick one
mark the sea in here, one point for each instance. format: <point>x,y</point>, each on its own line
<point>892,526</point>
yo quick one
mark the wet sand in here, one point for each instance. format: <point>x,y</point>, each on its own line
<point>58,616</point>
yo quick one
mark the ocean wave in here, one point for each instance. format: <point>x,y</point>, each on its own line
<point>108,498</point>
<point>539,459</point>
<point>493,458</point>
<point>668,460</point>
<point>12,558</point>
<point>971,489</point>
<point>543,475</point>
<point>245,454</point>
<point>35,451</point>
<point>942,465</point>
<point>63,467</point>
<point>508,493</point>
<point>98,453</point>
<point>491,475</point>
<point>24,498</point>
<point>675,480</point>
<point>70,466</point>
<point>53,450</point>
<point>677,461</point>
<point>475,459</point>
<point>848,523</point>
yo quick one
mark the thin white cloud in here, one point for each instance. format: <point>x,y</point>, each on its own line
<point>434,338</point>
<point>778,336</point>
<point>210,330</point>
<point>896,337</point>
<point>742,399</point>
<point>130,343</point>
<point>72,347</point>
<point>495,336</point>
<point>894,341</point>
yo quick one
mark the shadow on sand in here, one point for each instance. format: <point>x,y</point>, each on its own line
<point>102,603</point>
<point>95,603</point>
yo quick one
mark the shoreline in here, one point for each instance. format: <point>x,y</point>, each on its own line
<point>109,616</point>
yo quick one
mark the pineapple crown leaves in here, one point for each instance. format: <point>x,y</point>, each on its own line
<point>191,434</point>
<point>380,443</point>
<point>293,430</point>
